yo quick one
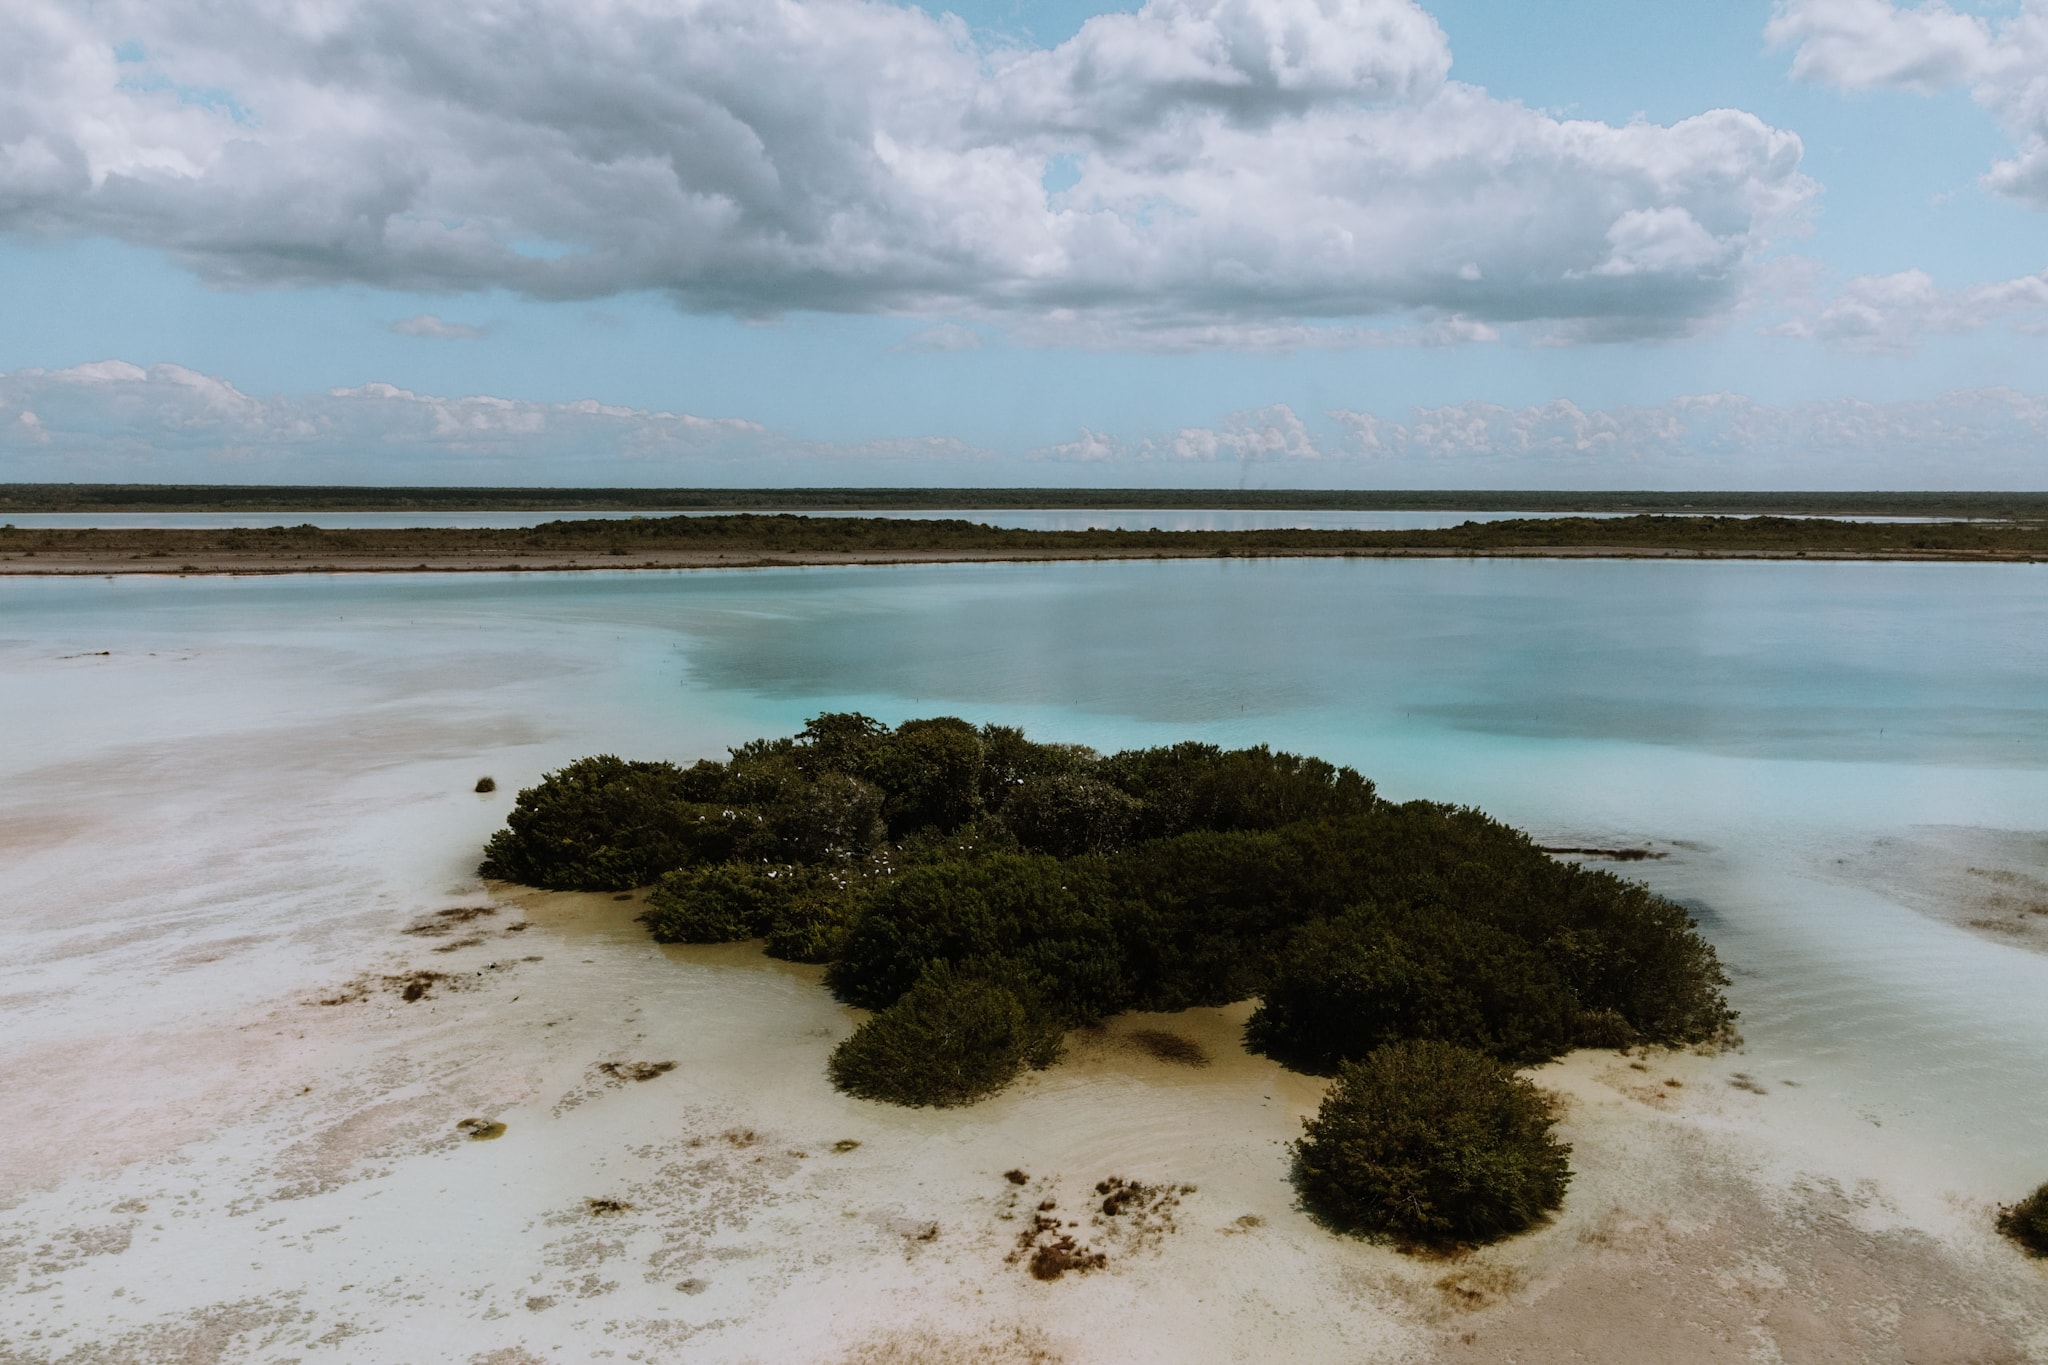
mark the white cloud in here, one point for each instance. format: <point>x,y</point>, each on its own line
<point>1986,438</point>
<point>1238,162</point>
<point>114,420</point>
<point>427,325</point>
<point>1876,45</point>
<point>1980,438</point>
<point>1890,314</point>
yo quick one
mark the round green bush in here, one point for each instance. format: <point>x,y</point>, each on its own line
<point>1431,1145</point>
<point>950,1040</point>
<point>2027,1222</point>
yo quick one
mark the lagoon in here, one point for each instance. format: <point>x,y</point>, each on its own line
<point>212,787</point>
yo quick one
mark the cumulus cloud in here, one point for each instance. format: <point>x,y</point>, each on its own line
<point>165,423</point>
<point>1877,45</point>
<point>1890,314</point>
<point>1974,438</point>
<point>427,325</point>
<point>1982,438</point>
<point>116,421</point>
<point>1221,161</point>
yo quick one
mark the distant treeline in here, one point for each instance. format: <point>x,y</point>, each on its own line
<point>91,497</point>
<point>787,533</point>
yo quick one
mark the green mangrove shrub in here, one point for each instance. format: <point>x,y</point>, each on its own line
<point>1349,986</point>
<point>1154,879</point>
<point>1430,1144</point>
<point>722,902</point>
<point>949,1040</point>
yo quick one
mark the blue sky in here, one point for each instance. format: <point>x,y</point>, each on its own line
<point>1841,262</point>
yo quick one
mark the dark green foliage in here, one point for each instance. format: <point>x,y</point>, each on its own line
<point>1199,786</point>
<point>1348,986</point>
<point>600,824</point>
<point>1204,917</point>
<point>1032,919</point>
<point>931,771</point>
<point>951,1039</point>
<point>1153,879</point>
<point>1065,813</point>
<point>2027,1222</point>
<point>1431,1144</point>
<point>721,902</point>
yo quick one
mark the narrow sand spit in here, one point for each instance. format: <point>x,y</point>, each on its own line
<point>326,1198</point>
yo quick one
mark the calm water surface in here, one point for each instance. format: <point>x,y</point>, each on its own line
<point>1762,724</point>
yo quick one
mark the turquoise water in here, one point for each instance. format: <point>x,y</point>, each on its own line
<point>1760,724</point>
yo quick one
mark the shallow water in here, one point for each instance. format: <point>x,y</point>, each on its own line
<point>252,765</point>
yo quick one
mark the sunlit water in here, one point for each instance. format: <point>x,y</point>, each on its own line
<point>1760,723</point>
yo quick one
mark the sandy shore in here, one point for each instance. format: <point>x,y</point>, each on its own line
<point>310,1195</point>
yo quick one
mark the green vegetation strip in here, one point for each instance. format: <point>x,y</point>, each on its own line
<point>86,497</point>
<point>982,894</point>
<point>788,534</point>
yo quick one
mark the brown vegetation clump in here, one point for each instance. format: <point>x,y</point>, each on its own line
<point>1056,1258</point>
<point>606,1208</point>
<point>2027,1222</point>
<point>487,784</point>
<point>443,922</point>
<point>413,986</point>
<point>636,1071</point>
<point>1048,1250</point>
<point>481,1130</point>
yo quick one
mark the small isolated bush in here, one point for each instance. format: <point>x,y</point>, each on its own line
<point>2027,1222</point>
<point>1431,1145</point>
<point>950,1040</point>
<point>487,784</point>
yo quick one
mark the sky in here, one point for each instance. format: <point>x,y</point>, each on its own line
<point>1212,243</point>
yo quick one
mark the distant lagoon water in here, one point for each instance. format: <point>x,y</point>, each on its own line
<point>1761,724</point>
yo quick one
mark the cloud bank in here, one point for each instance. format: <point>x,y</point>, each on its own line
<point>1877,45</point>
<point>1892,314</point>
<point>1216,164</point>
<point>120,422</point>
<point>1988,438</point>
